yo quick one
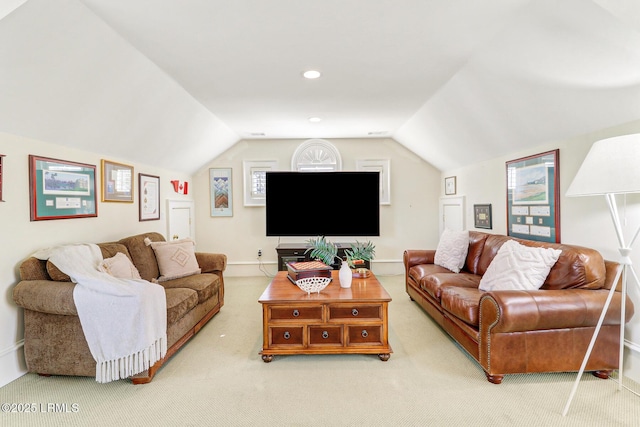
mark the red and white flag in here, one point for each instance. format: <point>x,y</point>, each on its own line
<point>181,187</point>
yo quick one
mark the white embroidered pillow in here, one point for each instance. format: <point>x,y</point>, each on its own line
<point>516,266</point>
<point>175,259</point>
<point>119,266</point>
<point>452,249</point>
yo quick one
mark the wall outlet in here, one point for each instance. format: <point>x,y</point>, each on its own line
<point>259,252</point>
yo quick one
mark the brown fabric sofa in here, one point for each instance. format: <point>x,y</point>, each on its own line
<point>516,331</point>
<point>54,343</point>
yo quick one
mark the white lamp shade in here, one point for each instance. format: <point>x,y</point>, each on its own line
<point>612,166</point>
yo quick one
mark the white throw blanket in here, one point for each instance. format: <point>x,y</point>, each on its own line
<point>124,320</point>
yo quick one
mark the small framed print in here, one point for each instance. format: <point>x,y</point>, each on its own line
<point>117,182</point>
<point>450,185</point>
<point>221,189</point>
<point>149,197</point>
<point>482,216</point>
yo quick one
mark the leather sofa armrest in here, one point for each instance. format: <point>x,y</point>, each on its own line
<point>210,263</point>
<point>46,296</point>
<point>517,311</point>
<point>418,256</point>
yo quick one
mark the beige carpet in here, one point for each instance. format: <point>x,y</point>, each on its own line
<point>220,379</point>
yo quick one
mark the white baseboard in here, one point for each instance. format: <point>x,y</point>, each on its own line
<point>12,364</point>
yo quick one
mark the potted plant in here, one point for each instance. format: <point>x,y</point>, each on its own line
<point>327,251</point>
<point>359,253</point>
<point>322,249</point>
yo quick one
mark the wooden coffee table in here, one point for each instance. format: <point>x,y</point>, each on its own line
<point>336,321</point>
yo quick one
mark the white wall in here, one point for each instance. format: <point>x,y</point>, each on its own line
<point>409,222</point>
<point>584,220</point>
<point>21,237</point>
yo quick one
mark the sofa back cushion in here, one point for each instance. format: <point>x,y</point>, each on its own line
<point>108,250</point>
<point>142,255</point>
<point>577,267</point>
<point>476,246</point>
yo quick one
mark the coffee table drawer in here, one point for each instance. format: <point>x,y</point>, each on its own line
<point>296,313</point>
<point>365,334</point>
<point>351,312</point>
<point>319,335</point>
<point>283,335</point>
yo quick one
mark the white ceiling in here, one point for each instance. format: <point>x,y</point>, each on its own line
<point>455,81</point>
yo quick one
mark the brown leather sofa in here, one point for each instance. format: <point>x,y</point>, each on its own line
<point>517,331</point>
<point>54,343</point>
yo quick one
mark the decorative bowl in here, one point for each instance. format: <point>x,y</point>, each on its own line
<point>313,284</point>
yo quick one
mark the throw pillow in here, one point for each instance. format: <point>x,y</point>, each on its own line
<point>452,249</point>
<point>516,266</point>
<point>119,266</point>
<point>175,259</point>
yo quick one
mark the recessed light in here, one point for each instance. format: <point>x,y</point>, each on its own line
<point>311,74</point>
<point>315,119</point>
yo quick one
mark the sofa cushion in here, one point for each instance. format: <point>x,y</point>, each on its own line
<point>451,252</point>
<point>175,259</point>
<point>119,266</point>
<point>462,303</point>
<point>519,267</point>
<point>206,285</point>
<point>179,302</point>
<point>55,273</point>
<point>142,255</point>
<point>434,283</point>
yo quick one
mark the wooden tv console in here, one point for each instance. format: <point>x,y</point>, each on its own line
<point>295,252</point>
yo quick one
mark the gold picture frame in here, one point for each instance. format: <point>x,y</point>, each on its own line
<point>116,182</point>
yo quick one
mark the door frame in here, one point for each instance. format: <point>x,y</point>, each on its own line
<point>458,201</point>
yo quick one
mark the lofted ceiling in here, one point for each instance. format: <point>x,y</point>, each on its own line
<point>175,83</point>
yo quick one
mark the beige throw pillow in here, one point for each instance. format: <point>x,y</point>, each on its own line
<point>516,266</point>
<point>175,259</point>
<point>452,250</point>
<point>119,266</point>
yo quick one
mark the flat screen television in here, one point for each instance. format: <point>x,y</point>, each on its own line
<point>323,203</point>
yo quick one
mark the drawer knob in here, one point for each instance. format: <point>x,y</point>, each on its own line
<point>325,334</point>
<point>354,312</point>
<point>364,333</point>
<point>287,335</point>
<point>296,313</point>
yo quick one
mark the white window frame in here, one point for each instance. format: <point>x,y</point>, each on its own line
<point>249,168</point>
<point>316,155</point>
<point>384,167</point>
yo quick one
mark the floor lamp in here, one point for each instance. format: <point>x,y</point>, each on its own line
<point>611,167</point>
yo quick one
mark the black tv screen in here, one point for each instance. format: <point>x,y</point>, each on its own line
<point>323,203</point>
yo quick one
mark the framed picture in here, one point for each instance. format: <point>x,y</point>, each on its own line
<point>60,189</point>
<point>117,182</point>
<point>450,185</point>
<point>482,216</point>
<point>221,189</point>
<point>384,168</point>
<point>533,197</point>
<point>149,197</point>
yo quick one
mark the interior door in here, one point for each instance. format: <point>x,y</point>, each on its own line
<point>181,224</point>
<point>452,213</point>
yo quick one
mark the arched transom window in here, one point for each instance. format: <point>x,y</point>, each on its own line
<point>316,155</point>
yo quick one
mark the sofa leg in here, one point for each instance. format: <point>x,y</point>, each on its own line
<point>44,375</point>
<point>602,374</point>
<point>494,379</point>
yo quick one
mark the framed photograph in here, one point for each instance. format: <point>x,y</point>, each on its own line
<point>60,189</point>
<point>482,216</point>
<point>384,168</point>
<point>149,197</point>
<point>117,182</point>
<point>450,185</point>
<point>221,189</point>
<point>533,197</point>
